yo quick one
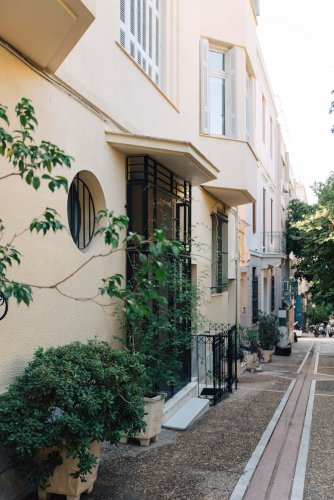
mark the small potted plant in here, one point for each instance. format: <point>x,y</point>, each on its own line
<point>251,345</point>
<point>67,401</point>
<point>269,335</point>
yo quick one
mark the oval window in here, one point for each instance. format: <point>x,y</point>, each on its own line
<point>80,213</point>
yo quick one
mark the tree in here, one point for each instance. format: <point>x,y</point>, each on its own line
<point>310,232</point>
<point>145,301</point>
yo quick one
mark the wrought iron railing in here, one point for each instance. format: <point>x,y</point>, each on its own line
<point>216,360</point>
<point>274,242</point>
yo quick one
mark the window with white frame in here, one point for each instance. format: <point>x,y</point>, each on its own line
<point>140,34</point>
<point>219,252</point>
<point>249,108</point>
<point>218,92</point>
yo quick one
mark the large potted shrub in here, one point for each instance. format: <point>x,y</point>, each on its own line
<point>269,335</point>
<point>67,400</point>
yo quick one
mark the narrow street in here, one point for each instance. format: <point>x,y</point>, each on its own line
<point>260,443</point>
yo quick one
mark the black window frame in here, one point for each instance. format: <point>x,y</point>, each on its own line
<point>219,268</point>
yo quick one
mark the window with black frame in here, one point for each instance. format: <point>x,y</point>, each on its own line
<point>80,213</point>
<point>219,253</point>
<point>255,296</point>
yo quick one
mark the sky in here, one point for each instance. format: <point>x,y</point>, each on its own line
<point>296,38</point>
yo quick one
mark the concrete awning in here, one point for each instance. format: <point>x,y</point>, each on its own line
<point>229,196</point>
<point>180,157</point>
<point>45,31</point>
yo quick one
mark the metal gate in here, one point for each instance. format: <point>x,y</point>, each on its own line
<point>216,360</point>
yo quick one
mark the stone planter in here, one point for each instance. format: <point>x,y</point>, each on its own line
<point>251,361</point>
<point>62,483</point>
<point>153,418</point>
<point>267,355</point>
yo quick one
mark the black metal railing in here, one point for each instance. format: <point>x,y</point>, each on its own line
<point>274,242</point>
<point>216,359</point>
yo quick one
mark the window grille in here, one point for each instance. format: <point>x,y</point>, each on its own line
<point>219,253</point>
<point>255,296</point>
<point>80,213</point>
<point>140,34</point>
<point>272,293</point>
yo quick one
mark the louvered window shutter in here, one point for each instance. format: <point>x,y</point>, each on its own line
<point>231,94</point>
<point>204,64</point>
<point>140,34</point>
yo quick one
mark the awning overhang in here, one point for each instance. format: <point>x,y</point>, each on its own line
<point>45,31</point>
<point>180,157</point>
<point>229,196</point>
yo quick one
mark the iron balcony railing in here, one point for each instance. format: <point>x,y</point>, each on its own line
<point>274,242</point>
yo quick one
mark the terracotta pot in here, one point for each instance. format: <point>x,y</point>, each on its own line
<point>62,483</point>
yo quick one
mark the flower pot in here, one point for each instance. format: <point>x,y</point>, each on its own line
<point>153,418</point>
<point>267,355</point>
<point>251,361</point>
<point>62,483</point>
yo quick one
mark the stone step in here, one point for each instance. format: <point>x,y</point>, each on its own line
<point>187,415</point>
<point>179,400</point>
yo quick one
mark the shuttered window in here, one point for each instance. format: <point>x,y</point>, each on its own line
<point>140,34</point>
<point>218,90</point>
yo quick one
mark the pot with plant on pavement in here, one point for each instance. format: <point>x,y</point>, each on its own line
<point>66,402</point>
<point>269,335</point>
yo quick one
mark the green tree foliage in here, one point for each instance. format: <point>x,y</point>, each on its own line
<point>310,232</point>
<point>34,163</point>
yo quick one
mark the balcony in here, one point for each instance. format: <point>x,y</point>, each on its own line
<point>274,243</point>
<point>45,31</point>
<point>236,183</point>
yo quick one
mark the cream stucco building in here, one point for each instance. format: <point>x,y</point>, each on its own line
<point>161,103</point>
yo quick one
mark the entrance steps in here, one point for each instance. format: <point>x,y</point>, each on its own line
<point>187,415</point>
<point>180,399</point>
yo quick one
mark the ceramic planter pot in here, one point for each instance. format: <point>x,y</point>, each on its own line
<point>62,483</point>
<point>251,361</point>
<point>153,418</point>
<point>267,355</point>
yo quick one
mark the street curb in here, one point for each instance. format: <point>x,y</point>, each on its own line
<point>244,480</point>
<point>300,472</point>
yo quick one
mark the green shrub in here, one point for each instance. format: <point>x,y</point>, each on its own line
<point>66,398</point>
<point>268,330</point>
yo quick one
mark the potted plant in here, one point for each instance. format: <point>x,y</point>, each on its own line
<point>67,401</point>
<point>269,335</point>
<point>160,331</point>
<point>250,342</point>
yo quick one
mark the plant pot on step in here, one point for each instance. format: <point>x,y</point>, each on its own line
<point>153,418</point>
<point>267,355</point>
<point>62,483</point>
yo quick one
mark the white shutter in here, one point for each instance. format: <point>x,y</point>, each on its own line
<point>204,63</point>
<point>231,93</point>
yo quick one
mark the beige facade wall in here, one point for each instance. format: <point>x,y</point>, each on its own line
<point>99,88</point>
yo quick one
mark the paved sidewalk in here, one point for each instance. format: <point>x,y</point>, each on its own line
<point>206,461</point>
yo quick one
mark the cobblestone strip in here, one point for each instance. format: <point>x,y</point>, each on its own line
<point>246,476</point>
<point>300,472</point>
